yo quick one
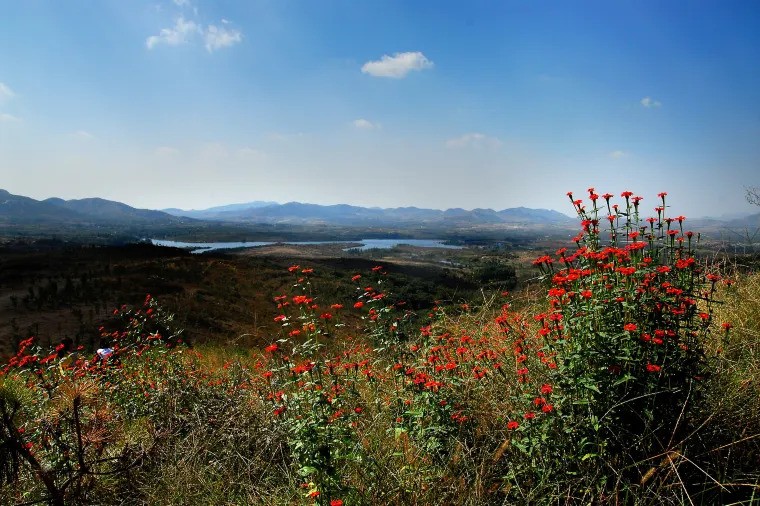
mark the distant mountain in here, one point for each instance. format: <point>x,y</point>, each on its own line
<point>523,214</point>
<point>347,215</point>
<point>213,212</point>
<point>25,210</point>
<point>753,220</point>
<point>16,209</point>
<point>110,211</point>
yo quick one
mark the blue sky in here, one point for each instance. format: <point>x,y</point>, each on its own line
<point>192,103</point>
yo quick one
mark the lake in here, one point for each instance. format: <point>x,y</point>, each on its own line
<point>366,244</point>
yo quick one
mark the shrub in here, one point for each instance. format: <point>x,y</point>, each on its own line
<point>630,313</point>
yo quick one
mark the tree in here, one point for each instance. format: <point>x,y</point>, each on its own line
<point>752,194</point>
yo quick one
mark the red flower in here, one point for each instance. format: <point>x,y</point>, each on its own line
<point>336,502</point>
<point>547,408</point>
<point>529,415</point>
<point>512,425</point>
<point>653,368</point>
<point>356,278</point>
<point>293,268</point>
<point>271,348</point>
<point>630,327</point>
<point>546,389</point>
<point>359,305</point>
<point>280,318</point>
<point>726,325</point>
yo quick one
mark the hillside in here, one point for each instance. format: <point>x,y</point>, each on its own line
<point>16,209</point>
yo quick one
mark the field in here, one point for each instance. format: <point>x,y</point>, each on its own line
<point>627,374</point>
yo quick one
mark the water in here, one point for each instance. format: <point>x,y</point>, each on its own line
<point>366,244</point>
<point>391,243</point>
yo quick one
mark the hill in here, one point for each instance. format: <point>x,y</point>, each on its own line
<point>20,210</point>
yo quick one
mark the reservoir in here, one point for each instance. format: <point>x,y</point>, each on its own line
<point>366,244</point>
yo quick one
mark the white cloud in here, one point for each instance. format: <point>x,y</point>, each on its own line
<point>8,118</point>
<point>218,37</point>
<point>181,3</point>
<point>474,140</point>
<point>363,124</point>
<point>398,65</point>
<point>5,92</point>
<point>618,154</point>
<point>183,30</point>
<point>82,135</point>
<point>649,102</point>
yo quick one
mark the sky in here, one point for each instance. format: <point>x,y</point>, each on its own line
<point>427,103</point>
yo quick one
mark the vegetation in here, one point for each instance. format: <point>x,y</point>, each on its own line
<point>629,377</point>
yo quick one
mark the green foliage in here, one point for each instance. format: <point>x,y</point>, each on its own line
<point>496,272</point>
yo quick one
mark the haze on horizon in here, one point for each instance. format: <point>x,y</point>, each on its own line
<point>194,103</point>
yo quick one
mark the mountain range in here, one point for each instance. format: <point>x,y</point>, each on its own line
<point>20,210</point>
<point>347,215</point>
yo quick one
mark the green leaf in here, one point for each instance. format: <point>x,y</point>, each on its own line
<point>307,470</point>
